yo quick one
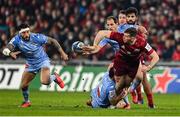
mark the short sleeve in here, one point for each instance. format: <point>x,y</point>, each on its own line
<point>148,49</point>
<point>13,42</point>
<point>42,39</point>
<point>103,42</point>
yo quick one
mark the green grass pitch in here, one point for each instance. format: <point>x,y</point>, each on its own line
<point>73,104</point>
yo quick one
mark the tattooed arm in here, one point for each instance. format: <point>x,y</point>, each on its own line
<point>55,43</point>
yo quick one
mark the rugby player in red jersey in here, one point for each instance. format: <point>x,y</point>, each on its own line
<point>131,18</point>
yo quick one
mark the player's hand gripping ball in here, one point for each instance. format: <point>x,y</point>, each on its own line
<point>77,47</point>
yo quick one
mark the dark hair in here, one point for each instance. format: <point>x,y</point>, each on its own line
<point>122,12</point>
<point>131,10</point>
<point>132,31</point>
<point>111,72</point>
<point>111,17</point>
<point>24,25</point>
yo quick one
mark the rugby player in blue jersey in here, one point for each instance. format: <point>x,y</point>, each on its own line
<point>104,95</point>
<point>30,45</point>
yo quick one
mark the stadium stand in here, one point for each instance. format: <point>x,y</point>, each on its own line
<point>72,20</point>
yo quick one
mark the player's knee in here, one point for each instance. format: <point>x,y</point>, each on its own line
<point>45,82</point>
<point>24,85</point>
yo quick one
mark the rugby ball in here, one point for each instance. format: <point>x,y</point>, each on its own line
<point>77,46</point>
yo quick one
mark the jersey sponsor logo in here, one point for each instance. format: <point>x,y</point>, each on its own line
<point>148,47</point>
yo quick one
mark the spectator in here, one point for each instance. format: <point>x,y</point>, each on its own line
<point>72,20</point>
<point>176,54</point>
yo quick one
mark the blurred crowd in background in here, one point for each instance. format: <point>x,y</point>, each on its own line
<point>72,20</point>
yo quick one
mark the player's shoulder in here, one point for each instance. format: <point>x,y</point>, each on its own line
<point>15,40</point>
<point>37,35</point>
<point>111,83</point>
<point>121,26</point>
<point>17,37</point>
<point>111,86</point>
<point>141,41</point>
<point>105,39</point>
<point>108,40</point>
<point>126,26</point>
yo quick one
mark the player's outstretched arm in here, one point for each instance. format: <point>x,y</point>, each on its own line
<point>8,51</point>
<point>95,48</point>
<point>101,35</point>
<point>55,43</point>
<point>91,49</point>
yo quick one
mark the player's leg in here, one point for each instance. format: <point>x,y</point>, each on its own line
<point>120,83</point>
<point>46,78</point>
<point>27,77</point>
<point>140,77</point>
<point>120,74</point>
<point>148,91</point>
<point>136,82</point>
<point>128,81</point>
<point>139,95</point>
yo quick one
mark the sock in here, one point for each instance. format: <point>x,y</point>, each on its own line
<point>150,99</point>
<point>126,99</point>
<point>25,93</point>
<point>138,90</point>
<point>135,84</point>
<point>52,78</point>
<point>133,93</point>
<point>134,96</point>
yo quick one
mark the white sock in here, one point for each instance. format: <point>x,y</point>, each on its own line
<point>52,78</point>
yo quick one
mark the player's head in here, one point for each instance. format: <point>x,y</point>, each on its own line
<point>131,15</point>
<point>111,23</point>
<point>24,31</point>
<point>130,35</point>
<point>122,17</point>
